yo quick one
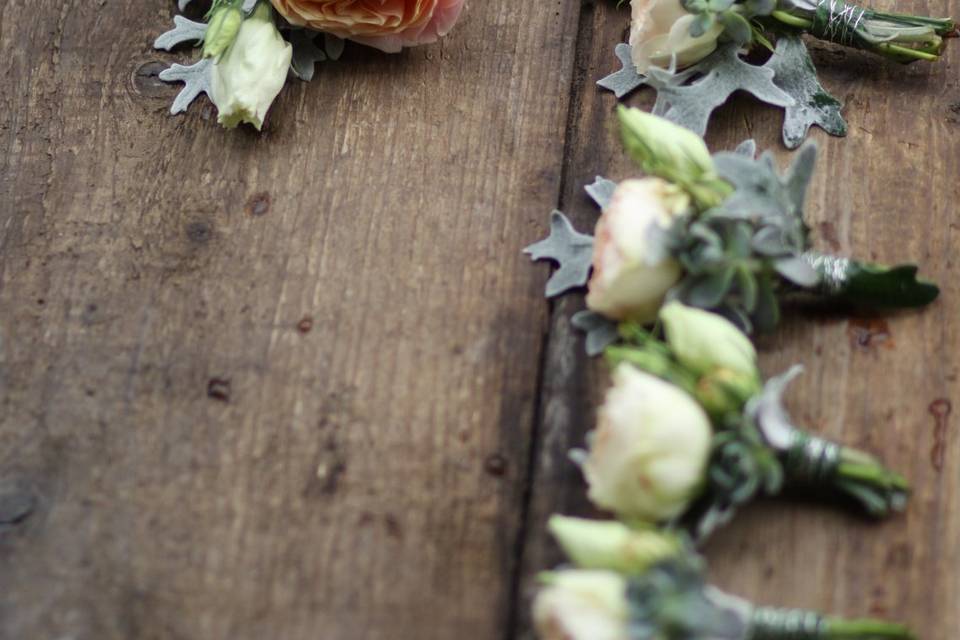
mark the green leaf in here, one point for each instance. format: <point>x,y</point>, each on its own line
<point>768,241</point>
<point>719,5</point>
<point>710,290</point>
<point>747,284</point>
<point>738,241</point>
<point>767,314</point>
<point>756,8</point>
<point>736,27</point>
<point>797,270</point>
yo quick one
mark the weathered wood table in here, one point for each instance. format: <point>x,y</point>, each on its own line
<point>304,384</point>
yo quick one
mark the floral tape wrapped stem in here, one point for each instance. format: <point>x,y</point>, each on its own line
<point>814,462</point>
<point>903,38</point>
<point>769,623</point>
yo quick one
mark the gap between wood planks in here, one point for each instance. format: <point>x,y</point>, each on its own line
<point>555,344</point>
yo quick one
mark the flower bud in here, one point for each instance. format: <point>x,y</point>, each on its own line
<point>630,276</point>
<point>221,31</point>
<point>608,544</point>
<point>660,34</point>
<point>648,455</point>
<point>582,605</point>
<point>250,74</point>
<point>652,140</point>
<point>714,350</point>
<point>704,342</point>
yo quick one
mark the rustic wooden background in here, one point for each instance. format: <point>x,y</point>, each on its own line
<point>303,384</point>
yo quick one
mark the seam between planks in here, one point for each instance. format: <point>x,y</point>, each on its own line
<point>578,82</point>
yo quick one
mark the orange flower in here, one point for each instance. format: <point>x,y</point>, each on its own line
<point>388,25</point>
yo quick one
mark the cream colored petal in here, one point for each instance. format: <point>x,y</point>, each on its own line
<point>690,50</point>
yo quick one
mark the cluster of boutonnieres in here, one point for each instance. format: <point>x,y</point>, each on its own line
<point>249,47</point>
<point>685,263</point>
<point>692,53</point>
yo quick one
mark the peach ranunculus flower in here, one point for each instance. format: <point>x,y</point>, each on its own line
<point>388,25</point>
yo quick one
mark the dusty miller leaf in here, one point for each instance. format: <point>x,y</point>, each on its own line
<point>572,250</point>
<point>601,331</point>
<point>627,79</point>
<point>759,189</point>
<point>183,31</point>
<point>747,148</point>
<point>306,53</point>
<point>196,79</point>
<point>601,191</point>
<point>722,73</point>
<point>333,46</point>
<point>797,76</point>
<point>787,80</point>
<point>768,413</point>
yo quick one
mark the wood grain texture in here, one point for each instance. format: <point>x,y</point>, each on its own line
<point>886,192</point>
<point>278,385</point>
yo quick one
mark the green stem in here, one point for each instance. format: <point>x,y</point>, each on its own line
<point>899,53</point>
<point>942,26</point>
<point>791,20</point>
<point>840,629</point>
<point>873,474</point>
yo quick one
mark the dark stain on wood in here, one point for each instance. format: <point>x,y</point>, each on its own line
<point>940,409</point>
<point>870,333</point>
<point>219,389</point>
<point>258,204</point>
<point>16,505</point>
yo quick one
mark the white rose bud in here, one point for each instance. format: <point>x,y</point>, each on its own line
<point>582,605</point>
<point>250,74</point>
<point>629,282</point>
<point>661,30</point>
<point>608,544</point>
<point>714,349</point>
<point>704,342</point>
<point>648,456</point>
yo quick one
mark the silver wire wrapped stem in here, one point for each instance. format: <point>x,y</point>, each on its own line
<point>812,460</point>
<point>770,623</point>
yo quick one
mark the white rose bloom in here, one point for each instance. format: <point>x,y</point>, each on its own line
<point>251,73</point>
<point>703,341</point>
<point>648,456</point>
<point>628,283</point>
<point>661,30</point>
<point>582,605</point>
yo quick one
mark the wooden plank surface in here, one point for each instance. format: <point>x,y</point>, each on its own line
<point>278,385</point>
<point>285,385</point>
<point>887,192</point>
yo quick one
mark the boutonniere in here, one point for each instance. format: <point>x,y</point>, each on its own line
<point>724,233</point>
<point>691,53</point>
<point>689,432</point>
<point>249,47</point>
<point>629,584</point>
